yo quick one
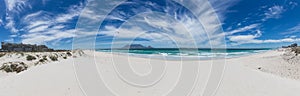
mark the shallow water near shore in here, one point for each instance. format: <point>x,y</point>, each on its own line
<point>186,54</point>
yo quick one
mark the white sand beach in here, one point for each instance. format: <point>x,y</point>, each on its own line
<point>263,74</point>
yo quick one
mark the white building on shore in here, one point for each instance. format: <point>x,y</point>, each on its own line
<point>14,47</point>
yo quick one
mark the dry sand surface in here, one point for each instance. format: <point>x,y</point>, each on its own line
<point>264,74</point>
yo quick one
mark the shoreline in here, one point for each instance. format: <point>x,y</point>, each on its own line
<point>185,58</point>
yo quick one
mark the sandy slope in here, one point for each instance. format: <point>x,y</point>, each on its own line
<point>241,77</point>
<point>250,81</point>
<point>55,79</point>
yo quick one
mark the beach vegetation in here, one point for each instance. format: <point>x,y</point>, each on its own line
<point>259,68</point>
<point>14,67</point>
<point>2,54</point>
<point>22,54</point>
<point>69,53</point>
<point>53,58</point>
<point>45,57</point>
<point>296,50</point>
<point>30,58</point>
<point>41,60</point>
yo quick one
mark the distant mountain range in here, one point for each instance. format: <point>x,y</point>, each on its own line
<point>136,46</point>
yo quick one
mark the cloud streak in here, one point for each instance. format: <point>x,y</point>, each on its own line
<point>254,39</point>
<point>274,12</point>
<point>295,29</point>
<point>16,5</point>
<point>243,29</point>
<point>156,29</point>
<point>221,7</point>
<point>176,23</point>
<point>40,27</point>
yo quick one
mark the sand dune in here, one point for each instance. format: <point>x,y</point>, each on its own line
<point>254,75</point>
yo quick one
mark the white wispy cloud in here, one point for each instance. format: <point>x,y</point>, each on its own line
<point>274,12</point>
<point>159,28</point>
<point>241,39</point>
<point>73,11</point>
<point>258,41</point>
<point>16,5</point>
<point>222,7</point>
<point>243,29</point>
<point>10,24</point>
<point>51,35</point>
<point>90,13</point>
<point>41,28</point>
<point>295,29</point>
<point>13,9</point>
<point>37,23</point>
<point>1,22</point>
<point>38,29</point>
<point>9,40</point>
<point>94,10</point>
<point>292,4</point>
<point>254,39</point>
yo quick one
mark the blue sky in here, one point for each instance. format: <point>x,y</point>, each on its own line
<point>159,23</point>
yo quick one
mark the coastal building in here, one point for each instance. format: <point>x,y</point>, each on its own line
<point>13,47</point>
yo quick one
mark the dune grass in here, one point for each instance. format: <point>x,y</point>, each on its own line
<point>2,54</point>
<point>30,58</point>
<point>296,50</point>
<point>53,58</point>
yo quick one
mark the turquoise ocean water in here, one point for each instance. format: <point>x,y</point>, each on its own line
<point>173,53</point>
